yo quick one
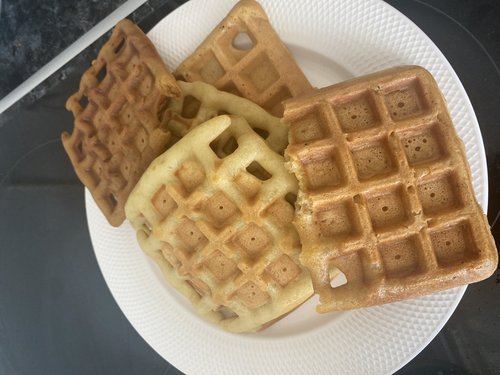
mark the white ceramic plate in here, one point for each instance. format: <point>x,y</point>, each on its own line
<point>332,41</point>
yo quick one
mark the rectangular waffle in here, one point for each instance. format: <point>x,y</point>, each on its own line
<point>200,102</point>
<point>260,69</point>
<point>220,226</point>
<point>118,127</point>
<point>385,191</point>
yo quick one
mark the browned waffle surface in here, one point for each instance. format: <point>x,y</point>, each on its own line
<point>118,130</point>
<point>385,191</point>
<point>245,56</point>
<point>219,225</point>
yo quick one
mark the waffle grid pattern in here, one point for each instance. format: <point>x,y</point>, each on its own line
<point>118,130</point>
<point>260,68</point>
<point>230,245</point>
<point>390,203</point>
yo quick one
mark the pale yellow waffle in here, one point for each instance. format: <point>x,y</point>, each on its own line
<point>220,225</point>
<point>260,69</point>
<point>200,102</point>
<point>118,112</point>
<point>385,191</point>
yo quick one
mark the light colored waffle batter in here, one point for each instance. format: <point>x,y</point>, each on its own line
<point>219,225</point>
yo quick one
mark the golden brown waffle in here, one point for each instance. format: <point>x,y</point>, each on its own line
<point>260,69</point>
<point>118,130</point>
<point>200,102</point>
<point>221,228</point>
<point>385,191</point>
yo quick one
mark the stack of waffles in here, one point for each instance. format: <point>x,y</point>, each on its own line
<point>252,190</point>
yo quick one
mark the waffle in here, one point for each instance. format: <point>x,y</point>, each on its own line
<point>221,228</point>
<point>244,55</point>
<point>118,130</point>
<point>385,191</point>
<point>200,102</point>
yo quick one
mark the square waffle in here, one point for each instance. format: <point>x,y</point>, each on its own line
<point>220,225</point>
<point>244,55</point>
<point>118,127</point>
<point>385,191</point>
<point>200,102</point>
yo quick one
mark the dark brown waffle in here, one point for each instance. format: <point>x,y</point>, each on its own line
<point>118,127</point>
<point>385,191</point>
<point>261,70</point>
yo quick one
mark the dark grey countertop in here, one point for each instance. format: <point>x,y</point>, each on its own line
<point>34,32</point>
<point>57,315</point>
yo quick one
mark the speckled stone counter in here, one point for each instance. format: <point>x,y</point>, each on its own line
<point>33,32</point>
